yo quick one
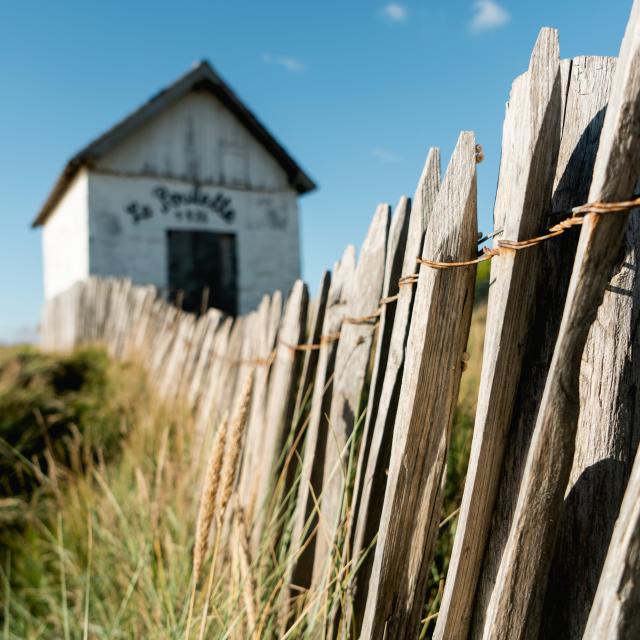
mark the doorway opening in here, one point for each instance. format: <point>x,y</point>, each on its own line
<point>203,270</point>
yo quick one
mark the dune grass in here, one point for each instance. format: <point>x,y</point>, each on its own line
<point>99,497</point>
<point>96,537</point>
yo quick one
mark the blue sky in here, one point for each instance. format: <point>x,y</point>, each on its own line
<point>357,91</point>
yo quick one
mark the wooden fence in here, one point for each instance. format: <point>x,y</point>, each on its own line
<point>354,391</point>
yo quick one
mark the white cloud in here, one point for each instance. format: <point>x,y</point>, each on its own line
<point>395,12</point>
<point>385,155</point>
<point>289,63</point>
<point>488,15</point>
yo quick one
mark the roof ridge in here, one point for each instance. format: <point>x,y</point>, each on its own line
<point>201,73</point>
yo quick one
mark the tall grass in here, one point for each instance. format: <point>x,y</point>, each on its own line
<point>103,550</point>
<point>99,501</point>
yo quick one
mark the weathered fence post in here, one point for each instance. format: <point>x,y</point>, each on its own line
<point>373,461</point>
<point>312,352</point>
<point>531,137</point>
<point>616,607</point>
<point>268,315</point>
<point>514,609</point>
<point>437,338</point>
<point>608,428</point>
<point>339,545</point>
<point>352,362</point>
<point>280,402</point>
<point>303,535</point>
<point>587,94</point>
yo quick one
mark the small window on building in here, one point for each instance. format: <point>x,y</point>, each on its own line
<point>202,270</point>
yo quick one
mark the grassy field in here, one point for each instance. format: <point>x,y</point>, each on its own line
<point>99,496</point>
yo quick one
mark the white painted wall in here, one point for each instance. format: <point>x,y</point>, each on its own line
<point>65,239</point>
<point>197,139</point>
<point>266,226</point>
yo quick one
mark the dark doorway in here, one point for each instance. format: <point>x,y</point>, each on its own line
<point>202,270</point>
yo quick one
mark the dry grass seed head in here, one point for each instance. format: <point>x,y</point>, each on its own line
<point>248,586</point>
<point>208,497</point>
<point>234,445</point>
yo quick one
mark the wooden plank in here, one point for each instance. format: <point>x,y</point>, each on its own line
<point>515,606</point>
<point>133,308</point>
<point>191,357</point>
<point>584,114</point>
<point>103,297</point>
<point>107,289</point>
<point>371,475</point>
<point>437,338</point>
<point>530,143</point>
<point>616,607</point>
<point>608,430</point>
<point>123,317</point>
<point>269,313</point>
<point>168,384</point>
<point>112,312</point>
<point>300,568</point>
<point>82,312</point>
<point>167,315</point>
<point>230,365</point>
<point>352,363</point>
<point>341,543</point>
<point>207,412</point>
<point>136,343</point>
<point>158,317</point>
<point>280,403</point>
<point>213,319</point>
<point>264,346</point>
<point>311,357</point>
<point>247,358</point>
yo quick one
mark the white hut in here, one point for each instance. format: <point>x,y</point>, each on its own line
<point>189,193</point>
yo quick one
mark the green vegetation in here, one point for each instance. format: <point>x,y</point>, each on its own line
<point>53,408</point>
<point>95,539</point>
<point>98,500</point>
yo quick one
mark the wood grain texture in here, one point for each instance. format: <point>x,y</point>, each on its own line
<point>305,519</point>
<point>207,411</point>
<point>265,337</point>
<point>164,338</point>
<point>351,367</point>
<point>316,320</point>
<point>168,384</point>
<point>139,343</point>
<point>607,433</point>
<point>371,475</point>
<point>280,400</point>
<point>437,338</point>
<point>587,95</point>
<point>515,606</point>
<point>295,444</point>
<point>230,365</point>
<point>616,607</point>
<point>531,138</point>
<point>341,554</point>
<point>212,321</point>
<point>192,357</point>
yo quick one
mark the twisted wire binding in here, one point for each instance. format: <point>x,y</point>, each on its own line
<point>576,217</point>
<point>312,346</point>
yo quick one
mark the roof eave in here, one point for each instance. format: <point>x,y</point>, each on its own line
<point>204,77</point>
<point>59,188</point>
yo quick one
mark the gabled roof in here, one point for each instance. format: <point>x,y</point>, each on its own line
<point>201,78</point>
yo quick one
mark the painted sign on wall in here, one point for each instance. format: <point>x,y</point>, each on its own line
<point>191,206</point>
